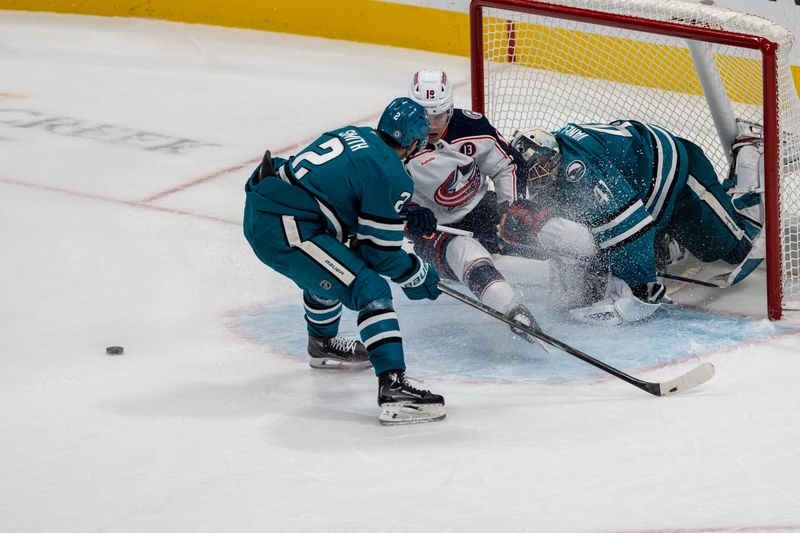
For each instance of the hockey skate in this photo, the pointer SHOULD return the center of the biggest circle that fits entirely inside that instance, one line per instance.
(523, 315)
(337, 353)
(404, 404)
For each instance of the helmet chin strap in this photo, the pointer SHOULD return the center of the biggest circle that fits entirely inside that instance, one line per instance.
(409, 151)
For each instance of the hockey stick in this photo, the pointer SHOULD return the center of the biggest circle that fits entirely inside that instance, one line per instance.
(689, 380)
(665, 275)
(534, 252)
(454, 231)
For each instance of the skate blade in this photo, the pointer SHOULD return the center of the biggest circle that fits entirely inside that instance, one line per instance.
(400, 414)
(323, 363)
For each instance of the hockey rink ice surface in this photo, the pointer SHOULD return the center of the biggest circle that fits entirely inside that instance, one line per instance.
(124, 146)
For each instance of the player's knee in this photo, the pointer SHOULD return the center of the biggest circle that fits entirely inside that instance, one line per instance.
(463, 253)
(368, 287)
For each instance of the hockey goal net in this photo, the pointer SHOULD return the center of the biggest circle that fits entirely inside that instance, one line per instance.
(689, 67)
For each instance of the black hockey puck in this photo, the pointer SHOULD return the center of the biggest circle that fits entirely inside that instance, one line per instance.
(114, 350)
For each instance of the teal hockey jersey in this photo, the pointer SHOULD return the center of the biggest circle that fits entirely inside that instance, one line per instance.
(355, 184)
(621, 180)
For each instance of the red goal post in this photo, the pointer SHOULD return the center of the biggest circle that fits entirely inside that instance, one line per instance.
(538, 63)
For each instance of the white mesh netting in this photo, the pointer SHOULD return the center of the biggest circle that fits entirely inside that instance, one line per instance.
(545, 71)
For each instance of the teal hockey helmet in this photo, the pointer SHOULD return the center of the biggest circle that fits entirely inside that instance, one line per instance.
(405, 121)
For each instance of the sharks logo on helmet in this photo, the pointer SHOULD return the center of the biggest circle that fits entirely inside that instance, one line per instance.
(405, 121)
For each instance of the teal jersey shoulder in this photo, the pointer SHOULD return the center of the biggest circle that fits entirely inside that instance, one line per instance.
(608, 165)
(621, 179)
(353, 174)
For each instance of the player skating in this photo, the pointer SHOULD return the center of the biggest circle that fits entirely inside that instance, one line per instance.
(464, 178)
(349, 184)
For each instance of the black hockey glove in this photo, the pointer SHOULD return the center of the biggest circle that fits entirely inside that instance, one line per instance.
(420, 221)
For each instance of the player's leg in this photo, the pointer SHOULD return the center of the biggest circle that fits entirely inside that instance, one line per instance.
(614, 287)
(704, 219)
(324, 270)
(379, 329)
(745, 184)
(378, 326)
(463, 259)
(482, 221)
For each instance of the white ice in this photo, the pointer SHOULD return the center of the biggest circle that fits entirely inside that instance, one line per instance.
(124, 144)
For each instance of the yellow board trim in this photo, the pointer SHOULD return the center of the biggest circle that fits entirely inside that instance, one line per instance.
(366, 21)
(384, 23)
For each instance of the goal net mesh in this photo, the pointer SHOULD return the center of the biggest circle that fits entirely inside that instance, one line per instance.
(546, 71)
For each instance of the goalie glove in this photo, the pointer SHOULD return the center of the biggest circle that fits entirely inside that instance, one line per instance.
(522, 221)
(421, 281)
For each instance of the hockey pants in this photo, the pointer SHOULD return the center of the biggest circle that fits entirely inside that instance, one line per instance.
(704, 220)
(331, 275)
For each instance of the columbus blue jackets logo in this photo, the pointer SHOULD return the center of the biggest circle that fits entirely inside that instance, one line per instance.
(575, 171)
(471, 114)
(460, 187)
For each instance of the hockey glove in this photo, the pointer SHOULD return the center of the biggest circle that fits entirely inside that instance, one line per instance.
(522, 221)
(420, 221)
(421, 282)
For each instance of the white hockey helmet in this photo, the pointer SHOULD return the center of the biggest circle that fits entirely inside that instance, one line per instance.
(541, 153)
(430, 89)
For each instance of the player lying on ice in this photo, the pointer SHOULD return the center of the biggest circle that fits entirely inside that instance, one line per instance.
(465, 154)
(300, 213)
(632, 187)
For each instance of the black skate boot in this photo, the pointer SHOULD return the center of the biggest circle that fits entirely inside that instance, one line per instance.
(337, 353)
(404, 404)
(523, 315)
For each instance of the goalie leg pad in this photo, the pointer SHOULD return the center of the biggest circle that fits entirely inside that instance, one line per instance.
(619, 306)
(560, 237)
(577, 283)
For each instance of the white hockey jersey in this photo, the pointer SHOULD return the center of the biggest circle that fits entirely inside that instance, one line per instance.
(451, 183)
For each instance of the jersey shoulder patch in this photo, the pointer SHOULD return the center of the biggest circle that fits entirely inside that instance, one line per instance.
(463, 125)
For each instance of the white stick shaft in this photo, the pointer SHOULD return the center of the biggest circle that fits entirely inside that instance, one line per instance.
(454, 231)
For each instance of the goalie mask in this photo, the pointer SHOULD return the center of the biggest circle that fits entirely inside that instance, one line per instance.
(541, 154)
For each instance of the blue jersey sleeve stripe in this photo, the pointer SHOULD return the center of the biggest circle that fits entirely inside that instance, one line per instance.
(389, 241)
(606, 218)
(626, 236)
(366, 240)
(384, 224)
(628, 215)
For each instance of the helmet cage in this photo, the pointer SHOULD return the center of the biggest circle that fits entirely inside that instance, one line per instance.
(539, 150)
